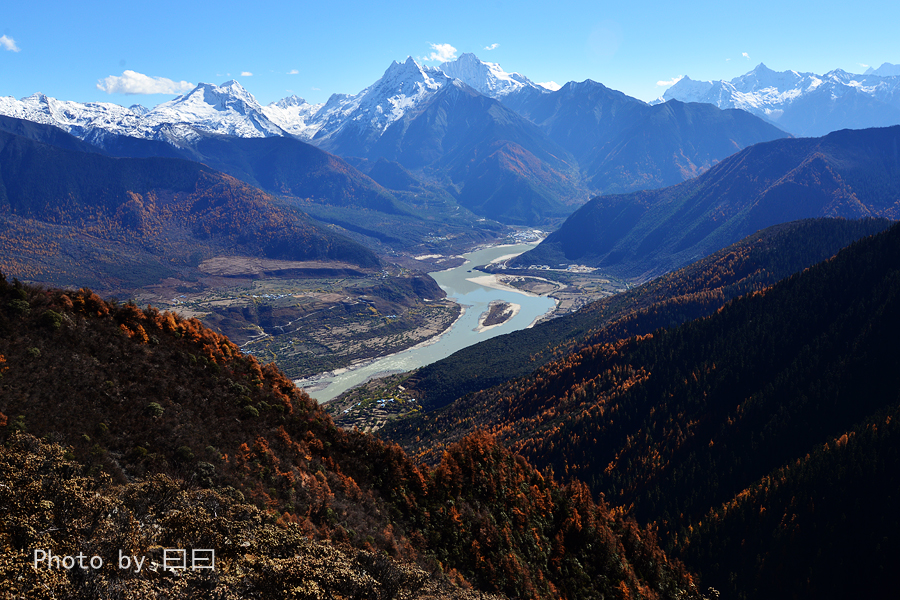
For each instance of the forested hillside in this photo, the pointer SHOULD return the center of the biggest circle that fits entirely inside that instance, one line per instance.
(75, 216)
(754, 263)
(849, 174)
(758, 441)
(166, 432)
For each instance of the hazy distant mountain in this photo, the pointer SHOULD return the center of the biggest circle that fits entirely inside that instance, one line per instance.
(622, 144)
(848, 174)
(804, 104)
(580, 117)
(671, 143)
(885, 70)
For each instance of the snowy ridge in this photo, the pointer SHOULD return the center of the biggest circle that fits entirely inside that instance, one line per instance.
(228, 110)
(487, 78)
(292, 114)
(74, 117)
(768, 94)
(885, 70)
(403, 86)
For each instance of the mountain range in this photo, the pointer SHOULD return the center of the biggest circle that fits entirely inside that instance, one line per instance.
(849, 174)
(494, 141)
(804, 104)
(83, 218)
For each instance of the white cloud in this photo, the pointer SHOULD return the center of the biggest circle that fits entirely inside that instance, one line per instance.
(132, 82)
(9, 44)
(492, 47)
(442, 52)
(550, 85)
(863, 65)
(745, 55)
(672, 81)
(246, 74)
(293, 72)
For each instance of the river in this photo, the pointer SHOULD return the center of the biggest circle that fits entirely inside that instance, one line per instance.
(472, 290)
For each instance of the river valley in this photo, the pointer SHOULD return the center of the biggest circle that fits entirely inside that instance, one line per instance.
(475, 292)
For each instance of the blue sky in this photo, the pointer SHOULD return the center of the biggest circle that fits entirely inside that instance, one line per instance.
(81, 51)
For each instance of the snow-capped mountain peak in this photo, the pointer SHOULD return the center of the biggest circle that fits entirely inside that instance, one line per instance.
(488, 78)
(800, 102)
(227, 109)
(288, 102)
(403, 87)
(292, 115)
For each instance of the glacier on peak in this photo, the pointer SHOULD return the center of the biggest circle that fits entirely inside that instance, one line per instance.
(799, 101)
(488, 78)
(229, 109)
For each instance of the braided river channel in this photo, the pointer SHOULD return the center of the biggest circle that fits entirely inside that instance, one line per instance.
(474, 291)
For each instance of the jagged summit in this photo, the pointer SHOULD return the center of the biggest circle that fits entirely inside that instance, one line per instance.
(403, 86)
(488, 78)
(289, 101)
(802, 103)
(885, 70)
(225, 109)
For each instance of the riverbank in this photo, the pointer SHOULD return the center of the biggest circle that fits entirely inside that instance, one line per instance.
(475, 294)
(320, 381)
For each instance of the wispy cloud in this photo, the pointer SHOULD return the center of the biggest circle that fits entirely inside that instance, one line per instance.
(745, 55)
(442, 52)
(293, 72)
(132, 82)
(246, 74)
(9, 44)
(672, 81)
(492, 47)
(863, 65)
(550, 85)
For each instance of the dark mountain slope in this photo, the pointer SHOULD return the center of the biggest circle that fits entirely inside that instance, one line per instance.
(140, 398)
(76, 216)
(624, 145)
(46, 134)
(670, 143)
(482, 149)
(580, 117)
(678, 424)
(290, 167)
(849, 174)
(819, 112)
(697, 290)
